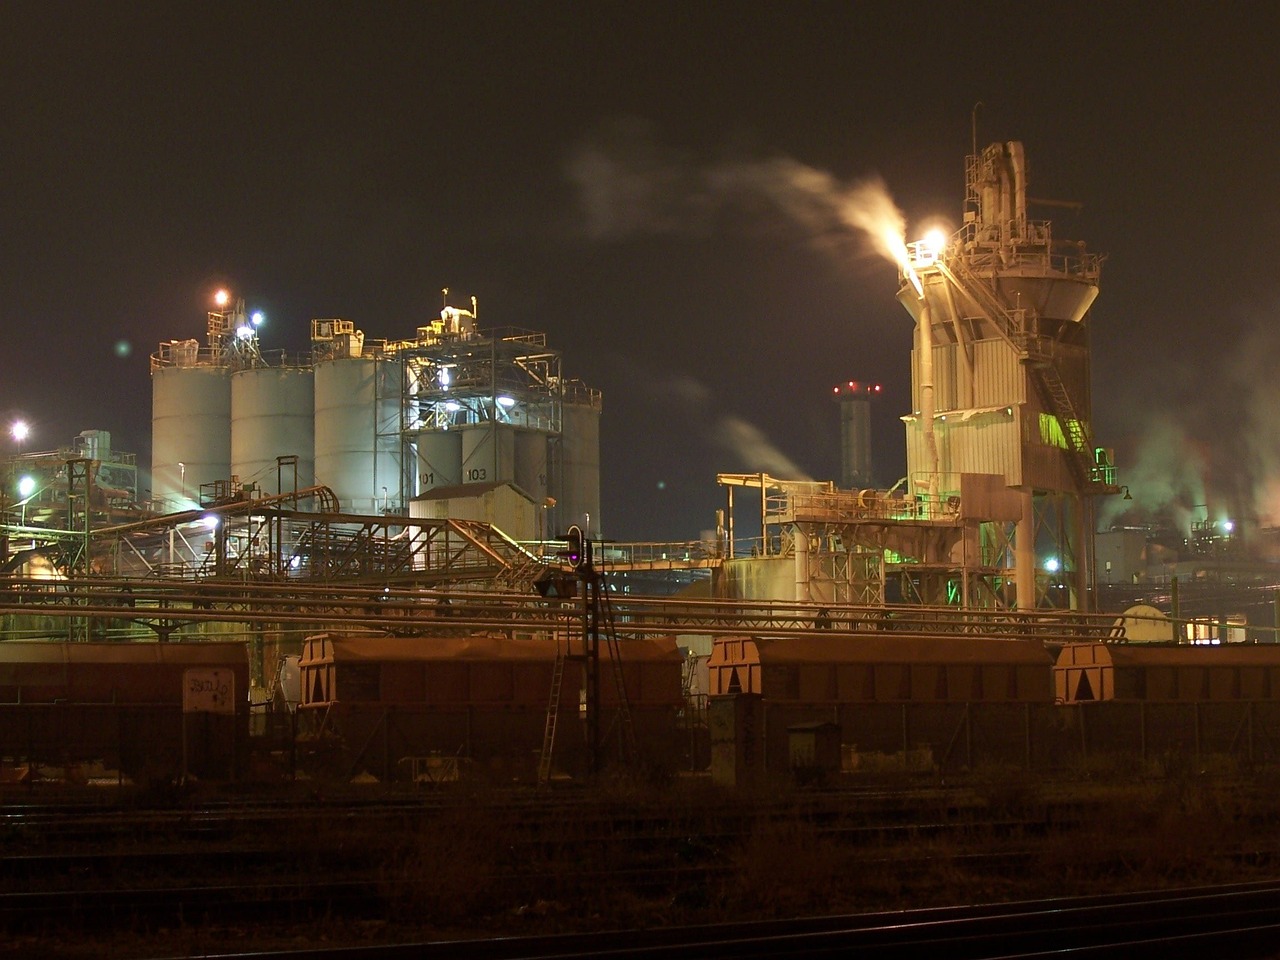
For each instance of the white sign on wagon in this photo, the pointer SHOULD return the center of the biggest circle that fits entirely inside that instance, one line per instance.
(208, 690)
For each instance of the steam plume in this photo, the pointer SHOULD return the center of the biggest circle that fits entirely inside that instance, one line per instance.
(628, 186)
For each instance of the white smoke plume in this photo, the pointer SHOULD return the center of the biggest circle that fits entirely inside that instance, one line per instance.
(746, 443)
(1167, 478)
(628, 185)
(1218, 456)
(754, 451)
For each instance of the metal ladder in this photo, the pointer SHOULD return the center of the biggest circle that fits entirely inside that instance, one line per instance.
(623, 715)
(553, 709)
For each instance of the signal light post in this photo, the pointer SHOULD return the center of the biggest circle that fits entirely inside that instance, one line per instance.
(579, 554)
(587, 582)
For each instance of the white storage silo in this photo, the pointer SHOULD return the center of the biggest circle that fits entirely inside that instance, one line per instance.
(578, 496)
(190, 429)
(531, 464)
(357, 424)
(273, 415)
(488, 453)
(439, 459)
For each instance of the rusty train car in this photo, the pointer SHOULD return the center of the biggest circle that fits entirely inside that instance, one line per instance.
(1173, 703)
(941, 703)
(1089, 672)
(926, 700)
(140, 708)
(378, 703)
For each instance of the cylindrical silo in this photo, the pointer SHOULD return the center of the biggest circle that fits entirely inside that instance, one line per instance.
(273, 415)
(357, 432)
(190, 432)
(439, 459)
(531, 464)
(578, 498)
(488, 453)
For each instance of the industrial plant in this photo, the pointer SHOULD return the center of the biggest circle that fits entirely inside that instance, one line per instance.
(397, 543)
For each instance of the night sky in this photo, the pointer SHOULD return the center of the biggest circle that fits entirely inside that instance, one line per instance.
(585, 169)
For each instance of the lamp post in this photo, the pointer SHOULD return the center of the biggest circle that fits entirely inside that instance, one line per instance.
(182, 471)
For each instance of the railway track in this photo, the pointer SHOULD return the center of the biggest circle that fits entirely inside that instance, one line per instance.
(404, 861)
(1238, 920)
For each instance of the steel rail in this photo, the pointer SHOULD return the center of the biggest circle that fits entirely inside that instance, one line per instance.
(1236, 920)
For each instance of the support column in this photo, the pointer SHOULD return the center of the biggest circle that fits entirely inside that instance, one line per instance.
(1024, 552)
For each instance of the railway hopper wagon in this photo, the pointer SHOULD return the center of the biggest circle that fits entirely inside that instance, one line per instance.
(390, 706)
(1173, 700)
(903, 701)
(145, 709)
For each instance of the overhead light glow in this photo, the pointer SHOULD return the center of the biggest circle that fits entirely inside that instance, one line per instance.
(26, 487)
(443, 377)
(935, 241)
(257, 318)
(1052, 565)
(506, 401)
(1228, 526)
(452, 406)
(210, 521)
(244, 333)
(20, 430)
(222, 298)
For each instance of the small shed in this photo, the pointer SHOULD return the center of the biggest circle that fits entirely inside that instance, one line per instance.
(504, 505)
(814, 747)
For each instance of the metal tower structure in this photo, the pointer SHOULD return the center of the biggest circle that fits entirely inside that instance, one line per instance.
(1000, 375)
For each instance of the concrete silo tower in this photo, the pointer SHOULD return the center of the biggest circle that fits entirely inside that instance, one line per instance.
(855, 398)
(1000, 375)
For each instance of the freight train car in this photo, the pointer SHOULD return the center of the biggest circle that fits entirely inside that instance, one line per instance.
(1158, 702)
(383, 704)
(1086, 672)
(921, 701)
(139, 708)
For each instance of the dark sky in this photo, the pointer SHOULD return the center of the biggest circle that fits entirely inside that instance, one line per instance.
(552, 159)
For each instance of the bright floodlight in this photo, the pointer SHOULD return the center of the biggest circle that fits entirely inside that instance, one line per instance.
(935, 241)
(506, 401)
(210, 521)
(1052, 565)
(26, 487)
(20, 430)
(1228, 526)
(245, 332)
(222, 298)
(257, 318)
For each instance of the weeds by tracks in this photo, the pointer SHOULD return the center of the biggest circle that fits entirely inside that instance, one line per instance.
(471, 860)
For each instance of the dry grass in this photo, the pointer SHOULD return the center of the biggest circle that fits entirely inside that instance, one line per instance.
(485, 866)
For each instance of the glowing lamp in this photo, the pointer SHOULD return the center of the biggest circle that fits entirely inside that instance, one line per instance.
(222, 298)
(935, 242)
(26, 487)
